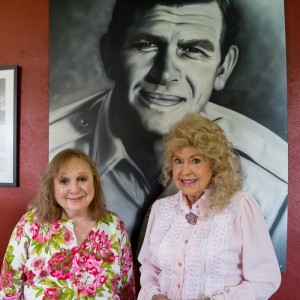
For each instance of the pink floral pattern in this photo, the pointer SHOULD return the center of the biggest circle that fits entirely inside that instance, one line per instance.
(43, 261)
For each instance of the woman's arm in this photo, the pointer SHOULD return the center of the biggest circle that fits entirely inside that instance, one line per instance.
(149, 272)
(126, 282)
(261, 273)
(12, 272)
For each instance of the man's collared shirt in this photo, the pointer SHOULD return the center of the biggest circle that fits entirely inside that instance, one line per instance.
(127, 191)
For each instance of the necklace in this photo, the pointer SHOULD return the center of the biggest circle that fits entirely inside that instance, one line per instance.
(191, 218)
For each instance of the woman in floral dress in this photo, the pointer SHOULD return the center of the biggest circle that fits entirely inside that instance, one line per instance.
(68, 246)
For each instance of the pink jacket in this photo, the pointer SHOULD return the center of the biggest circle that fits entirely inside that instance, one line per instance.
(229, 256)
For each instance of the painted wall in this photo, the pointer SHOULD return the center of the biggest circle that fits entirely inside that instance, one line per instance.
(24, 42)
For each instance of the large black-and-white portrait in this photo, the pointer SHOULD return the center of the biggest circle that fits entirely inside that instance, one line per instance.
(120, 75)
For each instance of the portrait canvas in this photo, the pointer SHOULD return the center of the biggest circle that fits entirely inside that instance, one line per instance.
(91, 106)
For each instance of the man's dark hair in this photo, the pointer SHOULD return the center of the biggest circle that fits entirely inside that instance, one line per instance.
(124, 12)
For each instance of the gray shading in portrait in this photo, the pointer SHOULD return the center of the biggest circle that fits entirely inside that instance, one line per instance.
(114, 94)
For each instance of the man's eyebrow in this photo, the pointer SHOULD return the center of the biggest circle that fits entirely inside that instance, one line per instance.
(146, 37)
(205, 44)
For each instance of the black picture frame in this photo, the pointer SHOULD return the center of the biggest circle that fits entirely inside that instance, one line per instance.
(8, 125)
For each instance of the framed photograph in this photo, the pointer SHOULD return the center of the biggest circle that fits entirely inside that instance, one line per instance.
(8, 125)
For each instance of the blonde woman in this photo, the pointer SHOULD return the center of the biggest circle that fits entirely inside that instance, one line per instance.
(210, 240)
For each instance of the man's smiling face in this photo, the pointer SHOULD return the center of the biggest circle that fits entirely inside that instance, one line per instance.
(168, 63)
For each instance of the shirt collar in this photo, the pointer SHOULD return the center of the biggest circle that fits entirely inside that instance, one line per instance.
(108, 149)
(197, 208)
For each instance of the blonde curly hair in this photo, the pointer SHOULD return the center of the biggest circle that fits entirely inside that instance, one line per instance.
(48, 210)
(211, 142)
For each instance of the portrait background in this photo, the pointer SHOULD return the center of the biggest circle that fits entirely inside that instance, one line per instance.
(257, 88)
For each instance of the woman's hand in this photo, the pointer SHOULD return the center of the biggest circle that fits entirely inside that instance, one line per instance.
(159, 297)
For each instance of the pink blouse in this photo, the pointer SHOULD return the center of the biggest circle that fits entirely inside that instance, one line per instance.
(228, 256)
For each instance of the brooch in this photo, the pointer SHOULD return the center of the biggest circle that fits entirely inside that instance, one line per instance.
(191, 218)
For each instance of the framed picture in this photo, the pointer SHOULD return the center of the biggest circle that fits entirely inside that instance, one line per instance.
(8, 125)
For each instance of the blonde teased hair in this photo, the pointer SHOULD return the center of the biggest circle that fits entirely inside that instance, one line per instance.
(211, 142)
(45, 204)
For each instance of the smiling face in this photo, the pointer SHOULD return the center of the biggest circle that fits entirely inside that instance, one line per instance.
(168, 64)
(192, 173)
(74, 188)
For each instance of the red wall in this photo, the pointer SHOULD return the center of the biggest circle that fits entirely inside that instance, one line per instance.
(24, 41)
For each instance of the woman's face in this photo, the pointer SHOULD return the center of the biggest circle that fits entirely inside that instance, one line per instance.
(192, 172)
(74, 187)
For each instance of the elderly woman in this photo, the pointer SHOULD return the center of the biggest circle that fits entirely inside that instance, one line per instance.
(68, 246)
(210, 240)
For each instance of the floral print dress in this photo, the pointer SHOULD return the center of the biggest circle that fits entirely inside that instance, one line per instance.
(44, 261)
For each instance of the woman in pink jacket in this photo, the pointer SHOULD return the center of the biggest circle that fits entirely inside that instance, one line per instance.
(210, 240)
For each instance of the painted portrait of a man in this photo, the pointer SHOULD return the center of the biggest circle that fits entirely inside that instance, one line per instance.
(151, 62)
